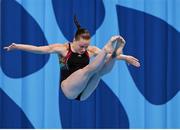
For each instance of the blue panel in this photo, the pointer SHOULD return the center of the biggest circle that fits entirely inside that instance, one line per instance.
(157, 46)
(18, 26)
(90, 14)
(101, 110)
(11, 115)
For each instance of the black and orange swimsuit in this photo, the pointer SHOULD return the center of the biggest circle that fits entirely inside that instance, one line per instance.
(73, 62)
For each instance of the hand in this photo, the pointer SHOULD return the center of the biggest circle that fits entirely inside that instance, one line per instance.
(120, 44)
(118, 38)
(111, 46)
(11, 47)
(132, 60)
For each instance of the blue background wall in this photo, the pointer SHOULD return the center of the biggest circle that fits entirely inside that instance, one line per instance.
(128, 97)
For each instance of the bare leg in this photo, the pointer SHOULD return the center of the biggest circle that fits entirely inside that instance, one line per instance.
(77, 81)
(94, 81)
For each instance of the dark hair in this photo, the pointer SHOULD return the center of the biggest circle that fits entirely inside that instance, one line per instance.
(81, 32)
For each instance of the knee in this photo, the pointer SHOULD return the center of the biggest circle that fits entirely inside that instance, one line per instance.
(67, 93)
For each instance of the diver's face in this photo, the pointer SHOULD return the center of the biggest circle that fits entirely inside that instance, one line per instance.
(82, 45)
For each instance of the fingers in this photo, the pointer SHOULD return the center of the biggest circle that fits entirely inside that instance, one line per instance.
(135, 63)
(135, 59)
(6, 48)
(10, 47)
(132, 57)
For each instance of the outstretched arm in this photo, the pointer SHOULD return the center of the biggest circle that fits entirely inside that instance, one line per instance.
(118, 52)
(54, 48)
(129, 59)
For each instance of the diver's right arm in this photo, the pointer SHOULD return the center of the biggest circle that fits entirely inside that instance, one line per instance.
(53, 48)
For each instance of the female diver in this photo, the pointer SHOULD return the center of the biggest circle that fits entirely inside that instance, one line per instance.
(79, 76)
